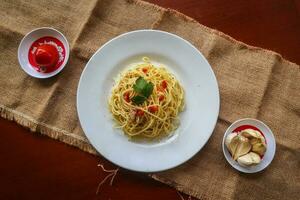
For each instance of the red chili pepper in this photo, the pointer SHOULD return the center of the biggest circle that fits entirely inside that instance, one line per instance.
(126, 96)
(145, 70)
(164, 84)
(153, 108)
(159, 88)
(139, 113)
(161, 97)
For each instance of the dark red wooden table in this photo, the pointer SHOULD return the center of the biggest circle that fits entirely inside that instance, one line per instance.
(36, 167)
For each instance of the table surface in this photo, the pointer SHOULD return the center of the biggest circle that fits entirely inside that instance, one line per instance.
(36, 167)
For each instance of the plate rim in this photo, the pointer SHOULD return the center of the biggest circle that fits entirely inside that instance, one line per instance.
(190, 45)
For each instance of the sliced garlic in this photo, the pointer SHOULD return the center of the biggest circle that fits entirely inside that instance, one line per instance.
(257, 141)
(254, 141)
(242, 148)
(253, 135)
(229, 138)
(259, 148)
(231, 142)
(245, 160)
(249, 159)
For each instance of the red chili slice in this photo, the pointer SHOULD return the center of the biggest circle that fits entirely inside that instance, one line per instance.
(153, 108)
(164, 84)
(139, 113)
(145, 70)
(161, 97)
(126, 96)
(159, 88)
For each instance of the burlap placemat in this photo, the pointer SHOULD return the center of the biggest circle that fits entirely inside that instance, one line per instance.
(253, 83)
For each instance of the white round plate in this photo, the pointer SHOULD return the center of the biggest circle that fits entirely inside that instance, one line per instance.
(26, 43)
(191, 69)
(270, 140)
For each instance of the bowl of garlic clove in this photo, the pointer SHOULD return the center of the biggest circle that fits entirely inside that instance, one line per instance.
(249, 145)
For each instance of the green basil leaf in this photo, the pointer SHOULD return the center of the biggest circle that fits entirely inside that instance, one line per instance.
(147, 90)
(138, 99)
(139, 85)
(143, 89)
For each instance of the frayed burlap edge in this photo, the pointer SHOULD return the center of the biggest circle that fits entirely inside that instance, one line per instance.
(178, 187)
(51, 131)
(82, 143)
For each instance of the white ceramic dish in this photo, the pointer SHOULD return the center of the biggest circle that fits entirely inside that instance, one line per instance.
(187, 64)
(270, 140)
(27, 41)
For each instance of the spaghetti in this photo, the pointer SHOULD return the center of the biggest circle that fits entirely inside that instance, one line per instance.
(146, 101)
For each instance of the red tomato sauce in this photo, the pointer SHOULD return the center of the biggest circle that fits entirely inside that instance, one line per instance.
(47, 40)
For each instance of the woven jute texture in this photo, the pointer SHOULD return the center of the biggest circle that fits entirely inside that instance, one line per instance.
(253, 83)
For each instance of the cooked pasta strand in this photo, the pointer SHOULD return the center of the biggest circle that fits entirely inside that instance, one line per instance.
(158, 115)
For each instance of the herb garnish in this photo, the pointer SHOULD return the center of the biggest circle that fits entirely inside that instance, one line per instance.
(144, 90)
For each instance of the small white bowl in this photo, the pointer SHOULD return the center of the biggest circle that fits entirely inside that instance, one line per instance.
(26, 43)
(270, 140)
